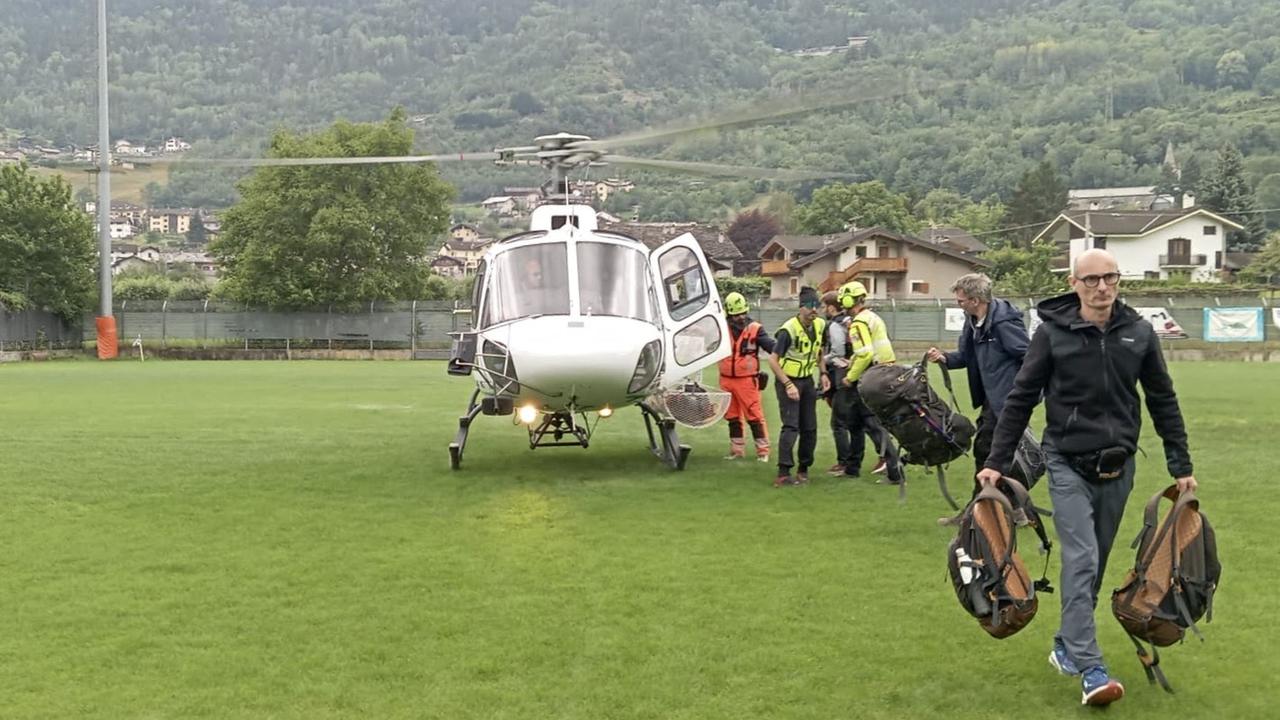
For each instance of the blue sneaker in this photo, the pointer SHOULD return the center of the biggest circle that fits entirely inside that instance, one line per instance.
(1098, 688)
(1061, 661)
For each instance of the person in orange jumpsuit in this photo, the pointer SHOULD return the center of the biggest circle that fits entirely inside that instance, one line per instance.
(740, 376)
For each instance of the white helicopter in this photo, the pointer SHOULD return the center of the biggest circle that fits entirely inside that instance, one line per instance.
(570, 323)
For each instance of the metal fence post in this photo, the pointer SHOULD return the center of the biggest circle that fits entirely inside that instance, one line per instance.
(893, 317)
(164, 324)
(942, 319)
(204, 341)
(328, 325)
(371, 326)
(413, 331)
(120, 327)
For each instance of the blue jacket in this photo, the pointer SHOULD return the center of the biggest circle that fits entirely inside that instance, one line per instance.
(992, 353)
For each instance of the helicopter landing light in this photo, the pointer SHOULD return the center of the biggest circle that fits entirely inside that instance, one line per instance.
(606, 411)
(527, 414)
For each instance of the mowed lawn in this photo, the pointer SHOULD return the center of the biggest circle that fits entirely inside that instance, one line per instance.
(286, 540)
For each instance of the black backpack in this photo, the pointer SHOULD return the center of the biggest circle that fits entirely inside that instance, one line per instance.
(1173, 580)
(927, 429)
(987, 573)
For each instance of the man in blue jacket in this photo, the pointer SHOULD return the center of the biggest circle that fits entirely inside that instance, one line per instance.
(992, 345)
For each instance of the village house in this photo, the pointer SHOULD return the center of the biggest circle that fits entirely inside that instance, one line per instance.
(176, 222)
(524, 198)
(467, 252)
(890, 264)
(1151, 245)
(463, 231)
(449, 267)
(499, 205)
(716, 246)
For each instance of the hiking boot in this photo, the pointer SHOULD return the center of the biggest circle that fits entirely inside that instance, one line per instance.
(836, 470)
(731, 456)
(784, 480)
(1061, 661)
(802, 478)
(1097, 687)
(880, 468)
(763, 459)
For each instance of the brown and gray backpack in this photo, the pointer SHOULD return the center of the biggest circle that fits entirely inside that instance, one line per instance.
(1173, 580)
(986, 571)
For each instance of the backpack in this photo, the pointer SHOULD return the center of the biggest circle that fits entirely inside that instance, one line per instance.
(927, 429)
(1173, 579)
(986, 570)
(1029, 461)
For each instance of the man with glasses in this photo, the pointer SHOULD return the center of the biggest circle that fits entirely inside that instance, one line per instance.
(1088, 357)
(992, 345)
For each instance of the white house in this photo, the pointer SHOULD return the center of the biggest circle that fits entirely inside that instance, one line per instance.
(122, 229)
(500, 205)
(1151, 245)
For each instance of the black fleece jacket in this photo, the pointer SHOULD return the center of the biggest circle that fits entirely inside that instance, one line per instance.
(1089, 378)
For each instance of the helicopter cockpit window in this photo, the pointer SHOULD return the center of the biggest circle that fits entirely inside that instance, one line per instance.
(685, 288)
(613, 280)
(525, 281)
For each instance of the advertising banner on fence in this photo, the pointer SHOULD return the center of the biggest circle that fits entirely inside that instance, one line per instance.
(1233, 324)
(1275, 317)
(955, 319)
(1166, 327)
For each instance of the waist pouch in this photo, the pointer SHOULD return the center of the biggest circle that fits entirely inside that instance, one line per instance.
(1101, 465)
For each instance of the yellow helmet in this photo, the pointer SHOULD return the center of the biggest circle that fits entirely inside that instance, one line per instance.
(735, 304)
(850, 293)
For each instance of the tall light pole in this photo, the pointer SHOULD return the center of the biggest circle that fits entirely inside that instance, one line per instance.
(106, 322)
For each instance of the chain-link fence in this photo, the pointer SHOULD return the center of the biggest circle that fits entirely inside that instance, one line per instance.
(425, 325)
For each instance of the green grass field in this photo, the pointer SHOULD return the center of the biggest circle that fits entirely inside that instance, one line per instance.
(285, 540)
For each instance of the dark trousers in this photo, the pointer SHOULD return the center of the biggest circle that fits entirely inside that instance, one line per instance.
(846, 427)
(982, 437)
(799, 420)
(879, 437)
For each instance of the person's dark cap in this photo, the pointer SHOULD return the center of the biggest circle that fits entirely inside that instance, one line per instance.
(809, 298)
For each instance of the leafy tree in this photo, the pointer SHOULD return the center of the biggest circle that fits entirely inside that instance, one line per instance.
(1039, 197)
(1233, 70)
(751, 231)
(947, 207)
(836, 207)
(196, 234)
(339, 235)
(751, 286)
(1226, 191)
(47, 250)
(1265, 268)
(1268, 82)
(1026, 271)
(1268, 196)
(524, 103)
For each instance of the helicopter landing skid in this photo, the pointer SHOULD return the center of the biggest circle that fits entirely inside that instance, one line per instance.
(557, 426)
(464, 428)
(672, 452)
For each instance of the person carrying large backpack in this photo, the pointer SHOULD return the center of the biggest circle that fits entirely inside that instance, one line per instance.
(740, 377)
(1088, 358)
(871, 346)
(992, 345)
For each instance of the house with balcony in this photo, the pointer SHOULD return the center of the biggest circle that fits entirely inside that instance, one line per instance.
(890, 264)
(1147, 244)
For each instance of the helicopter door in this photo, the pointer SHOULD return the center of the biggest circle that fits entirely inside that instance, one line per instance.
(694, 331)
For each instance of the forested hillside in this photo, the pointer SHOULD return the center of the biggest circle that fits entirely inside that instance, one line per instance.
(1097, 87)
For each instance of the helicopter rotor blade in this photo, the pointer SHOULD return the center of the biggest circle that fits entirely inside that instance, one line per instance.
(779, 109)
(745, 171)
(296, 162)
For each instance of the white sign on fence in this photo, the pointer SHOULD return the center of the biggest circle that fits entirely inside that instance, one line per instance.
(1275, 317)
(1165, 326)
(955, 320)
(1233, 324)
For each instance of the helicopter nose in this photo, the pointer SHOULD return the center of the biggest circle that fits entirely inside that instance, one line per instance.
(586, 363)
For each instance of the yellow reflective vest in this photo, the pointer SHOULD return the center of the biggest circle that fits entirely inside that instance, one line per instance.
(804, 351)
(871, 345)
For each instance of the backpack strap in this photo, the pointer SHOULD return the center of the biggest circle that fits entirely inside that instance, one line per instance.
(946, 379)
(1151, 664)
(942, 484)
(1033, 519)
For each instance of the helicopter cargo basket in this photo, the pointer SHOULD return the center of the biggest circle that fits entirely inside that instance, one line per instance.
(695, 406)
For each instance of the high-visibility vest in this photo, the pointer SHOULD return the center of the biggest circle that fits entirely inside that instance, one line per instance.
(871, 346)
(804, 351)
(743, 362)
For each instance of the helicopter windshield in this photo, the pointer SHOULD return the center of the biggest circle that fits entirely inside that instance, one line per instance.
(530, 280)
(613, 280)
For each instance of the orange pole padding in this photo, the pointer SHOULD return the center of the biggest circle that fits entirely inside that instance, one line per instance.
(108, 343)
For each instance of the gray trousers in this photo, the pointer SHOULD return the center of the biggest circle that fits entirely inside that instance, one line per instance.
(1086, 516)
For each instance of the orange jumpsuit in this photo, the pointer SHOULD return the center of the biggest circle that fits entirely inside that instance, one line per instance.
(738, 378)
